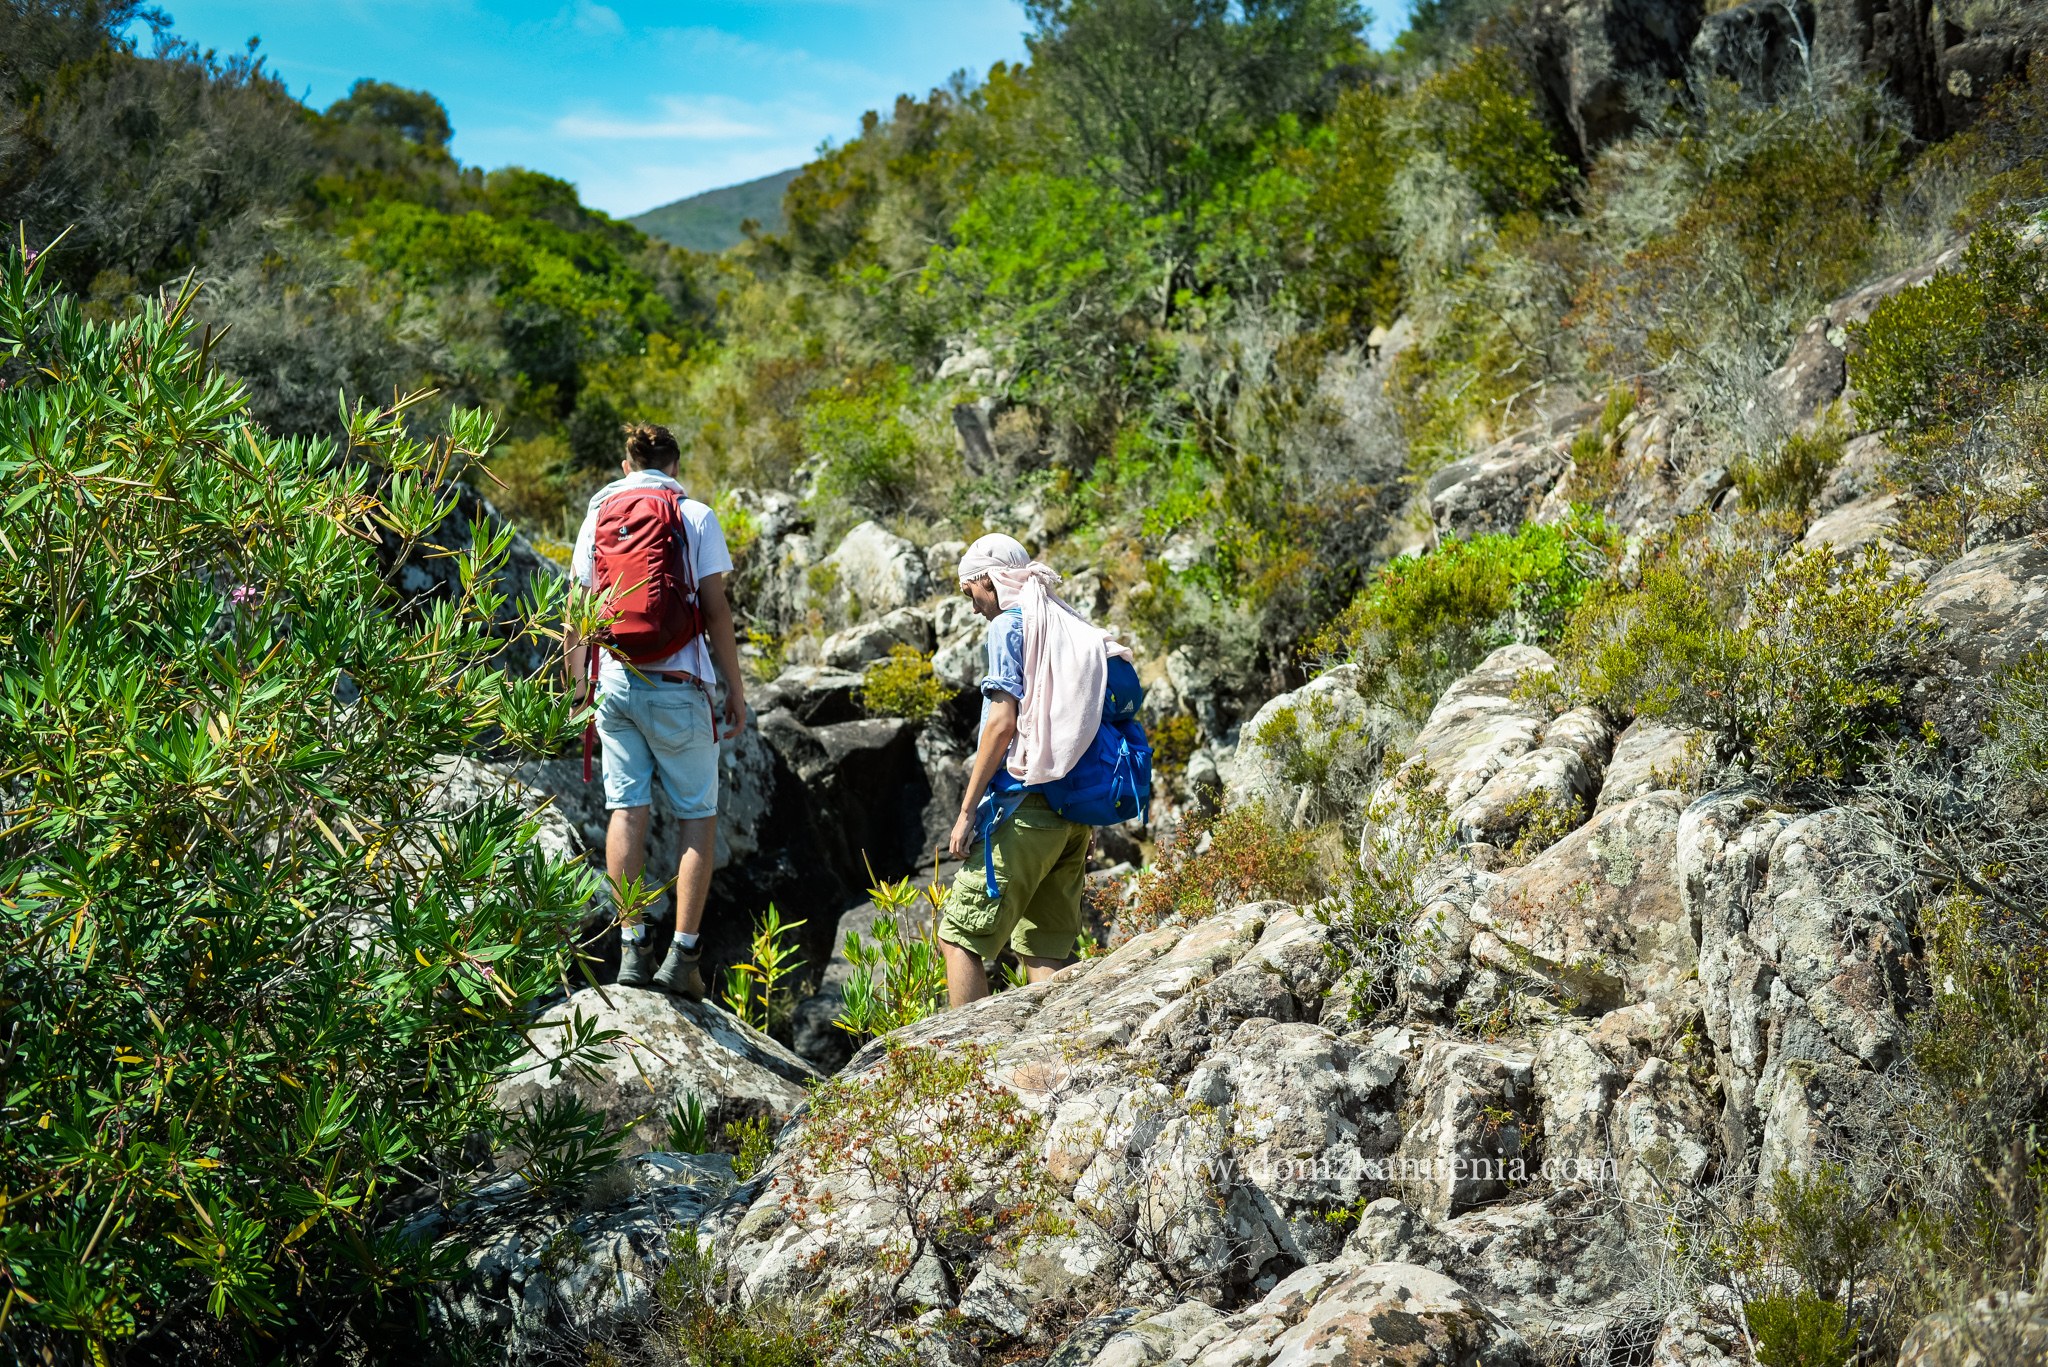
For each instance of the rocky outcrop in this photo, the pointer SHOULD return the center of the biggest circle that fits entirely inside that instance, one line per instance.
(1480, 725)
(541, 1277)
(661, 1050)
(815, 695)
(1859, 522)
(1803, 936)
(876, 570)
(868, 641)
(1204, 1109)
(1339, 1313)
(2001, 1328)
(1992, 604)
(1647, 757)
(1588, 57)
(1328, 715)
(1596, 917)
(1495, 491)
(862, 791)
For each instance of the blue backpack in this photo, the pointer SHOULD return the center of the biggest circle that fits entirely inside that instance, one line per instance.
(1111, 783)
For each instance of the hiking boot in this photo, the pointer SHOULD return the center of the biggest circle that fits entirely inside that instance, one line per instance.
(679, 975)
(636, 962)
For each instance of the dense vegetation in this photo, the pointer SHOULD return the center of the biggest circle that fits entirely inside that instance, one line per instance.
(1216, 289)
(343, 252)
(258, 990)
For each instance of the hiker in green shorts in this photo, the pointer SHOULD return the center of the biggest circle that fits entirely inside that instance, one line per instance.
(1039, 859)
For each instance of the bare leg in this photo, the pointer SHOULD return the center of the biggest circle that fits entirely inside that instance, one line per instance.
(625, 844)
(966, 975)
(693, 875)
(1038, 970)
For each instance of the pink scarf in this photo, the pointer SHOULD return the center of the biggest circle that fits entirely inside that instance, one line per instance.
(1066, 660)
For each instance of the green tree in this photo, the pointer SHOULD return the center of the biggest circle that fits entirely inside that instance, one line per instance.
(1167, 97)
(258, 992)
(413, 114)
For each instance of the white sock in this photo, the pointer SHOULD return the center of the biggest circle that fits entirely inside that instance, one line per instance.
(686, 943)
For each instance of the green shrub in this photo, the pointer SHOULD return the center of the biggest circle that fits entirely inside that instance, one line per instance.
(2018, 725)
(1975, 481)
(1539, 818)
(899, 975)
(1800, 1330)
(867, 453)
(902, 686)
(261, 988)
(1326, 756)
(1247, 858)
(1789, 474)
(949, 1152)
(691, 1323)
(1481, 116)
(1980, 1045)
(1798, 665)
(1064, 274)
(1426, 619)
(1948, 349)
(1729, 223)
(753, 1141)
(1596, 452)
(1830, 1237)
(1173, 744)
(1371, 917)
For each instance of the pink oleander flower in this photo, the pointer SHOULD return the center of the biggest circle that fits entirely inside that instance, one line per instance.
(242, 595)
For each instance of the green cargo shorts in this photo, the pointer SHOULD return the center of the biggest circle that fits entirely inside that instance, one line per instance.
(1041, 866)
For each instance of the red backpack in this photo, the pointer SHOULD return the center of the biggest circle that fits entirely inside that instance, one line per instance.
(642, 555)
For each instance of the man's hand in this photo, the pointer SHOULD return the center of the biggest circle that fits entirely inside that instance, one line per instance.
(963, 835)
(735, 713)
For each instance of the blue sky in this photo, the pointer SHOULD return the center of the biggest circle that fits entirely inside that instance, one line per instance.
(637, 102)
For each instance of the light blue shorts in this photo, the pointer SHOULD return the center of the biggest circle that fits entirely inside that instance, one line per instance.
(649, 728)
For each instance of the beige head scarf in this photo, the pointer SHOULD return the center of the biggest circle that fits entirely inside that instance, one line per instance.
(1066, 660)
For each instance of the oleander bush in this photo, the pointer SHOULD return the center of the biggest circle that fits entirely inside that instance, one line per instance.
(258, 991)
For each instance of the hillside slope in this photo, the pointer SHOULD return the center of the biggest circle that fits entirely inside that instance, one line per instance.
(710, 222)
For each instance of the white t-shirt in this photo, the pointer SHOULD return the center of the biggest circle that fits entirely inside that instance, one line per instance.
(708, 556)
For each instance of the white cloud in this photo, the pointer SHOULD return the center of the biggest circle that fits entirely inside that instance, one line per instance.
(597, 21)
(681, 121)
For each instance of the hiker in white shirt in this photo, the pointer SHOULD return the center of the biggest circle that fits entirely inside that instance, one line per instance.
(655, 724)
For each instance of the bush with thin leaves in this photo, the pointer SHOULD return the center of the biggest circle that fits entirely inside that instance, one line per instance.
(258, 991)
(944, 1147)
(1426, 619)
(1798, 665)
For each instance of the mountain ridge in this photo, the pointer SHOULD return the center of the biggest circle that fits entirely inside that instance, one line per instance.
(710, 221)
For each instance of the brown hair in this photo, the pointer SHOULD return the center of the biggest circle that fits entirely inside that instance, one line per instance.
(650, 447)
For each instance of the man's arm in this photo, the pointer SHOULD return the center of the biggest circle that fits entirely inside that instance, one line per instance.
(996, 735)
(575, 660)
(725, 650)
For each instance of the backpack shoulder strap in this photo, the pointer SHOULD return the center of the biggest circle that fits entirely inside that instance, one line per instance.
(689, 561)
